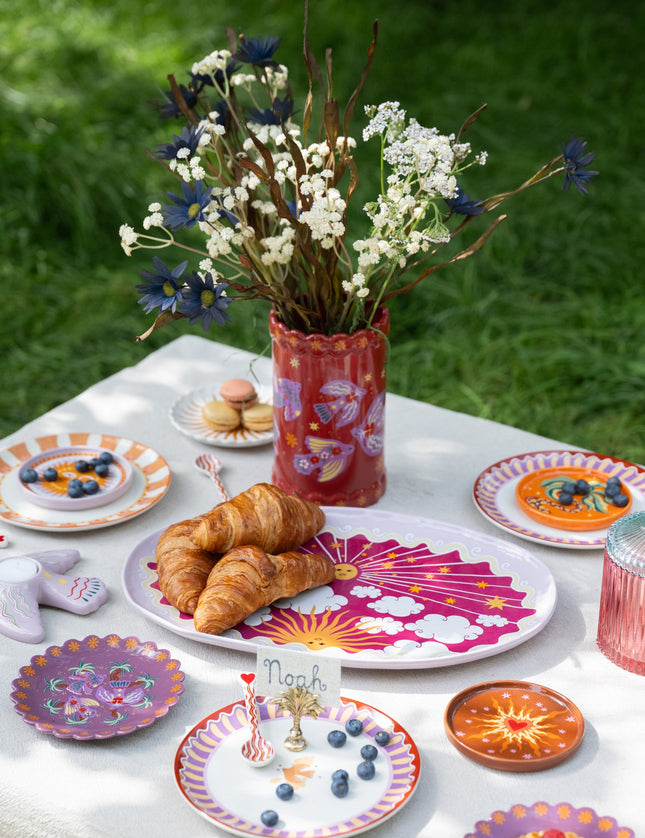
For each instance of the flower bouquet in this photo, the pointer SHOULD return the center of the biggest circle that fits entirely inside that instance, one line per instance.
(262, 208)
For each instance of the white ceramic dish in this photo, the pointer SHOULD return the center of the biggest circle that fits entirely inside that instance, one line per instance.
(220, 784)
(494, 494)
(150, 481)
(409, 593)
(186, 415)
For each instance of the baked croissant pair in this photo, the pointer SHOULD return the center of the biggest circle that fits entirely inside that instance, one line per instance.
(225, 564)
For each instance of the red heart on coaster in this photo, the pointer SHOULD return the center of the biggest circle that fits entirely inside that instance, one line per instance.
(515, 724)
(247, 677)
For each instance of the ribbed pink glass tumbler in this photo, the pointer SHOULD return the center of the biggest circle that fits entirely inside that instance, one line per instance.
(621, 622)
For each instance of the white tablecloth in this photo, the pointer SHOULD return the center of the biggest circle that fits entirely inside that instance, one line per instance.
(125, 786)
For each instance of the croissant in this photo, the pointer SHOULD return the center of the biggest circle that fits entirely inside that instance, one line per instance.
(264, 515)
(182, 568)
(247, 578)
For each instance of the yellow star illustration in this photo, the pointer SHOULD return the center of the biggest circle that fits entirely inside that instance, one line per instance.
(313, 426)
(444, 569)
(482, 584)
(495, 602)
(294, 362)
(450, 600)
(414, 589)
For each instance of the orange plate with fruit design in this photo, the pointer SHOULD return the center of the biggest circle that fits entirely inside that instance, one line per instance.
(538, 494)
(514, 725)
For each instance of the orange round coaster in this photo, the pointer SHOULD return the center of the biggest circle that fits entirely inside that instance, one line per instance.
(538, 493)
(514, 725)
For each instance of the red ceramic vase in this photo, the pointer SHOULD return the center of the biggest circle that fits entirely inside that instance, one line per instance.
(329, 413)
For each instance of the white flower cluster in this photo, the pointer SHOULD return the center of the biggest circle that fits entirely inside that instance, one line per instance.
(278, 250)
(156, 217)
(191, 170)
(356, 286)
(212, 63)
(325, 215)
(129, 237)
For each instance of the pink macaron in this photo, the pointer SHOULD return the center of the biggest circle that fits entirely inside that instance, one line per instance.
(238, 393)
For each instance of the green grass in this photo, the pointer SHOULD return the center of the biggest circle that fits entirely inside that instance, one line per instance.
(542, 329)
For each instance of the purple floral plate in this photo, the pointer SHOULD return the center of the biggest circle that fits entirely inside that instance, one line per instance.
(97, 687)
(522, 820)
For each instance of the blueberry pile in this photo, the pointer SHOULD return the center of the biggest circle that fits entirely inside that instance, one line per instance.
(365, 770)
(76, 487)
(613, 492)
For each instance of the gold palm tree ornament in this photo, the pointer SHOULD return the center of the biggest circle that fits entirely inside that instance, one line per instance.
(298, 702)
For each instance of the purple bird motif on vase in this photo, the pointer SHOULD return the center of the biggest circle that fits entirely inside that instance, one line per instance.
(345, 406)
(287, 395)
(328, 455)
(370, 433)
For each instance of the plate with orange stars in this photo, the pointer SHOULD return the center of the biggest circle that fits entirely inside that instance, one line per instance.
(514, 725)
(532, 821)
(97, 687)
(409, 592)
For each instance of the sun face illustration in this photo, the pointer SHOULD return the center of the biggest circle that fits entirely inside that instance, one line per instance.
(317, 631)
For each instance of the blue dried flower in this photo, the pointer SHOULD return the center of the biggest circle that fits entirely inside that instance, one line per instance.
(258, 51)
(279, 112)
(576, 161)
(162, 289)
(462, 204)
(205, 301)
(189, 207)
(189, 139)
(171, 109)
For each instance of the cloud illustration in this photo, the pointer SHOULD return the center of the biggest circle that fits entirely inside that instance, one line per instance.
(362, 591)
(491, 620)
(256, 617)
(320, 599)
(453, 629)
(399, 606)
(374, 625)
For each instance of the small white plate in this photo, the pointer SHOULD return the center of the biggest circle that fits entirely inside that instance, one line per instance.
(150, 481)
(494, 494)
(186, 416)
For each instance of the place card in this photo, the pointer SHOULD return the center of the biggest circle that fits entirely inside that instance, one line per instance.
(279, 669)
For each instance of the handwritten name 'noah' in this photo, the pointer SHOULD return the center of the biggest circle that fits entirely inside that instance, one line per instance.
(310, 682)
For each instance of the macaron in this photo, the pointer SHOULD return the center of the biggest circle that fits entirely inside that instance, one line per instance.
(238, 393)
(258, 418)
(221, 416)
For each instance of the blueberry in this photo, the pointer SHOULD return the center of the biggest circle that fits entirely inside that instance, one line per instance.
(582, 487)
(354, 727)
(620, 500)
(74, 491)
(90, 487)
(339, 788)
(336, 738)
(50, 474)
(106, 457)
(565, 498)
(81, 466)
(369, 752)
(284, 791)
(569, 487)
(101, 469)
(366, 770)
(340, 774)
(94, 462)
(382, 737)
(269, 817)
(613, 487)
(29, 475)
